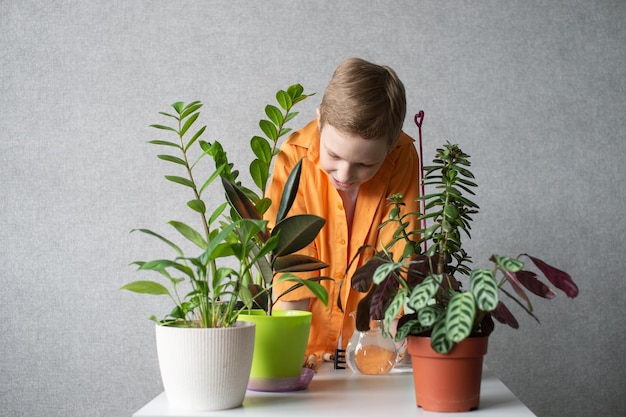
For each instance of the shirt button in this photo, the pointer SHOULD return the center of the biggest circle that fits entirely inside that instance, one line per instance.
(342, 241)
(339, 207)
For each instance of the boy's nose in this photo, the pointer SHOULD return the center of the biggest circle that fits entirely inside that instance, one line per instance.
(344, 173)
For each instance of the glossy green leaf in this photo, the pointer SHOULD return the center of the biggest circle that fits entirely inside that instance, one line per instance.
(221, 250)
(190, 121)
(283, 131)
(297, 263)
(168, 115)
(284, 99)
(263, 205)
(290, 191)
(269, 129)
(188, 232)
(432, 249)
(259, 173)
(173, 159)
(460, 316)
(265, 269)
(296, 232)
(179, 106)
(217, 240)
(162, 127)
(485, 289)
(261, 149)
(295, 91)
(311, 284)
(195, 138)
(163, 239)
(190, 108)
(215, 174)
(180, 180)
(274, 114)
(217, 212)
(165, 143)
(161, 264)
(291, 115)
(197, 205)
(451, 211)
(146, 287)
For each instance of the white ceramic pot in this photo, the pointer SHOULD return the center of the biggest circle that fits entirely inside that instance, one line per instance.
(205, 369)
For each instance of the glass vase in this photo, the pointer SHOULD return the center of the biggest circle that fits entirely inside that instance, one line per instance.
(370, 352)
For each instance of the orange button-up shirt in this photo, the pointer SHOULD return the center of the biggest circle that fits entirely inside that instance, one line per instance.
(335, 245)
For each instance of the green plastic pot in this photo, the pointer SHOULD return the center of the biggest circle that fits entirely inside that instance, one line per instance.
(280, 344)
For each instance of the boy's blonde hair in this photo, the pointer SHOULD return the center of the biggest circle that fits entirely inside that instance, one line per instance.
(364, 99)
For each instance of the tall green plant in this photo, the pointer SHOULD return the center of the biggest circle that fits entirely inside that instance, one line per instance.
(212, 291)
(423, 278)
(210, 300)
(290, 233)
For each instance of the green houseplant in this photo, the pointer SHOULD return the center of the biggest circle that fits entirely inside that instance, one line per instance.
(440, 299)
(281, 335)
(215, 290)
(207, 293)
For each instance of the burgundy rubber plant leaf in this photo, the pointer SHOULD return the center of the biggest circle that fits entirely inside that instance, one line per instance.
(504, 315)
(558, 278)
(529, 280)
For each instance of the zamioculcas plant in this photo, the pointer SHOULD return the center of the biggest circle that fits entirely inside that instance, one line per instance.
(206, 292)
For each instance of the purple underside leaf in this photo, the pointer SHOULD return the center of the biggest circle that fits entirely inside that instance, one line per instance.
(529, 280)
(384, 292)
(487, 325)
(418, 271)
(558, 278)
(362, 278)
(362, 318)
(512, 278)
(504, 315)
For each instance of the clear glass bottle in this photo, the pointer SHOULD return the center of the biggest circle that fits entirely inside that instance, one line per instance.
(370, 352)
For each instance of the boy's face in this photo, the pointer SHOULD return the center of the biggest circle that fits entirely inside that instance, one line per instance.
(348, 159)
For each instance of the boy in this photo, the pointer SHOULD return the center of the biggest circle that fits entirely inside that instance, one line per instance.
(355, 156)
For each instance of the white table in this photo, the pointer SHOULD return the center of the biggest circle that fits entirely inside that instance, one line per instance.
(345, 394)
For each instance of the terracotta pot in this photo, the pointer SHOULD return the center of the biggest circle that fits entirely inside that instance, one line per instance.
(448, 382)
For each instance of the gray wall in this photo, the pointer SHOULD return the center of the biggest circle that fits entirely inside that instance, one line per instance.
(535, 91)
